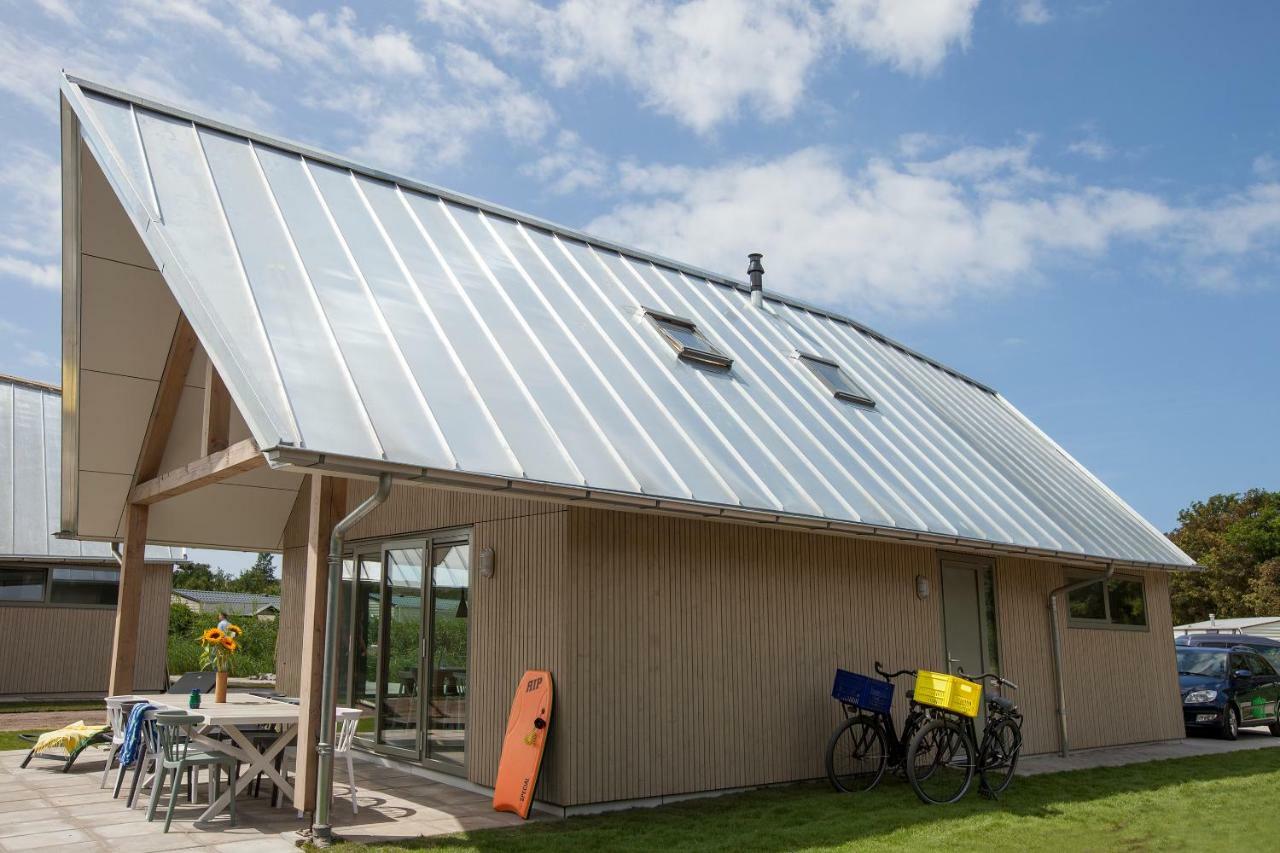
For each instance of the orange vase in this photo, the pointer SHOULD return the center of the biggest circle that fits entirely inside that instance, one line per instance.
(220, 688)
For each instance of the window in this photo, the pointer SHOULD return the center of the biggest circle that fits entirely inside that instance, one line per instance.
(84, 586)
(22, 584)
(834, 379)
(1121, 604)
(75, 586)
(686, 340)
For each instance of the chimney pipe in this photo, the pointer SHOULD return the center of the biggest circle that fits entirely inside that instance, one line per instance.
(755, 271)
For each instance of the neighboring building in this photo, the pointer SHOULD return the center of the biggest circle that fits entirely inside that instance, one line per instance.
(58, 596)
(690, 508)
(1259, 626)
(231, 603)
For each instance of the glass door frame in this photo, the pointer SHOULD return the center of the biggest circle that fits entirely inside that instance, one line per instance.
(371, 548)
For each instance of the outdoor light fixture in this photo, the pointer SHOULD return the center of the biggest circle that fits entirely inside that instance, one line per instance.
(484, 562)
(922, 587)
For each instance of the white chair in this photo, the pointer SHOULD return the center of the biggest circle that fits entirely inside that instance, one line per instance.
(116, 719)
(348, 720)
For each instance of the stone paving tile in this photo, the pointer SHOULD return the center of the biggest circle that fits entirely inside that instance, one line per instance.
(57, 840)
(35, 825)
(261, 845)
(23, 812)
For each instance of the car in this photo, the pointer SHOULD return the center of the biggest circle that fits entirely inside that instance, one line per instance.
(1268, 647)
(1225, 689)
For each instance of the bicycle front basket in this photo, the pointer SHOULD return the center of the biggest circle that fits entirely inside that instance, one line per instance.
(948, 692)
(869, 694)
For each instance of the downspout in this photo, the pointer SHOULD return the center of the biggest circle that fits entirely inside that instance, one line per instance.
(321, 831)
(1066, 589)
(115, 552)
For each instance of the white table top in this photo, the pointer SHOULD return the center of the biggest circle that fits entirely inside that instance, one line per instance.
(240, 709)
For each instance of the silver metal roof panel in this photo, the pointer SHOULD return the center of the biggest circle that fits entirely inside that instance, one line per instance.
(364, 317)
(30, 474)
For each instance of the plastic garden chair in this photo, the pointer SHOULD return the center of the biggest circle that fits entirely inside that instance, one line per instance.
(177, 757)
(118, 708)
(348, 719)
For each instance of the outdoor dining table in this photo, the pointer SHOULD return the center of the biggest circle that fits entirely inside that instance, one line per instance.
(239, 711)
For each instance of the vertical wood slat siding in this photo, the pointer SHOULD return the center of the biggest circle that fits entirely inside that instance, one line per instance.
(68, 649)
(516, 616)
(703, 653)
(1121, 686)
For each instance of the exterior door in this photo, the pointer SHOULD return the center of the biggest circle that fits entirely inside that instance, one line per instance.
(968, 617)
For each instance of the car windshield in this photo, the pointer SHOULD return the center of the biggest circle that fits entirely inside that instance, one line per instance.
(1210, 662)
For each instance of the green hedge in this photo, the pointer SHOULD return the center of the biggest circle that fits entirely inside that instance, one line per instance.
(257, 653)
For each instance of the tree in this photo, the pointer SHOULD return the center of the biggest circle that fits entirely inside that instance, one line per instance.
(260, 578)
(1237, 539)
(200, 576)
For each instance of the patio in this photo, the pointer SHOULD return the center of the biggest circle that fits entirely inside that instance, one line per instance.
(43, 809)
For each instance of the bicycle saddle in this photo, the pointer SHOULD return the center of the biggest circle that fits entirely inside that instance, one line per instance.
(1002, 704)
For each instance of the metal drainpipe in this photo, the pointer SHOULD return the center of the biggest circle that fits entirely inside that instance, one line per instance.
(1066, 589)
(321, 831)
(115, 552)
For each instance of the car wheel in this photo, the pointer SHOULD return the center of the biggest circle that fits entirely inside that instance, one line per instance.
(1230, 723)
(1274, 728)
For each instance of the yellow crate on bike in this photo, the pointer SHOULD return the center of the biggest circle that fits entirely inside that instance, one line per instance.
(948, 692)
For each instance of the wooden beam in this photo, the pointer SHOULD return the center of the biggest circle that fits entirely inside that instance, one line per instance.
(328, 506)
(178, 363)
(236, 459)
(124, 643)
(217, 412)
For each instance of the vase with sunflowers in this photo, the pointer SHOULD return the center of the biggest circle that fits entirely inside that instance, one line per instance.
(218, 653)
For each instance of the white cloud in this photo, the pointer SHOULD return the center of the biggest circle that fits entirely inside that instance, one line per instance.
(48, 276)
(893, 237)
(30, 220)
(1034, 12)
(706, 62)
(58, 9)
(1265, 166)
(911, 35)
(571, 166)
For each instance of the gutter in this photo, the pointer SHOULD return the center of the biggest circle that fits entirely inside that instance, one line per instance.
(321, 829)
(1056, 628)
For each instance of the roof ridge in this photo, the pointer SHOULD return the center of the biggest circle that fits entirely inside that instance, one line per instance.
(319, 154)
(30, 383)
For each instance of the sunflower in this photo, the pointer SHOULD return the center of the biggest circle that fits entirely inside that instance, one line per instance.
(213, 635)
(228, 643)
(235, 629)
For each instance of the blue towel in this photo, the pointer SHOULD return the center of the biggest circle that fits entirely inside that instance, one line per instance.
(132, 746)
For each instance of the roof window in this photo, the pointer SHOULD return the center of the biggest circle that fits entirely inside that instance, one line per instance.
(684, 337)
(834, 379)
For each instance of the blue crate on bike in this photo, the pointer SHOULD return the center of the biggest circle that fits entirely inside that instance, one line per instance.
(869, 694)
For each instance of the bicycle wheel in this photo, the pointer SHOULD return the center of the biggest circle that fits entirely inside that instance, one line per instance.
(998, 756)
(940, 761)
(856, 755)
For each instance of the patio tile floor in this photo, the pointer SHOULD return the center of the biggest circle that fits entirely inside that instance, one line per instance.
(42, 808)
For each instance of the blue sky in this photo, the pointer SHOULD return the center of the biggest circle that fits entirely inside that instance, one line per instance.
(1077, 203)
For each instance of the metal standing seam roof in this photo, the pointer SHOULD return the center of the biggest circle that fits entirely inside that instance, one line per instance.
(356, 316)
(30, 466)
(254, 601)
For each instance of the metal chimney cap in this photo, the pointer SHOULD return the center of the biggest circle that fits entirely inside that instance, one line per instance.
(754, 264)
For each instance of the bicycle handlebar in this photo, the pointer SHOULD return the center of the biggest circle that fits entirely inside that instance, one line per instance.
(887, 675)
(990, 675)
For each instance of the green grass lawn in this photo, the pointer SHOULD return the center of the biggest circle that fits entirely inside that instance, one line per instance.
(1216, 802)
(10, 740)
(37, 707)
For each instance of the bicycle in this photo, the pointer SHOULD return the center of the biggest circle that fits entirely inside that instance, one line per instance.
(867, 742)
(940, 760)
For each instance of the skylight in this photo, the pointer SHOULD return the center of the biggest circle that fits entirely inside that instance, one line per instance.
(686, 340)
(834, 379)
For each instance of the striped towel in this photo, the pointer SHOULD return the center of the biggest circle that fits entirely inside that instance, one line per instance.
(132, 746)
(67, 737)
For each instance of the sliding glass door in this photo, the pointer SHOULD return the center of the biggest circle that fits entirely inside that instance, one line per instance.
(404, 646)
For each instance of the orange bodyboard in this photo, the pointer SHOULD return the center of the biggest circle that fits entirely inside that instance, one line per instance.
(522, 748)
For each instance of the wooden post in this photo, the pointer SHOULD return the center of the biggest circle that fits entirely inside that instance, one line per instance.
(124, 645)
(328, 506)
(217, 413)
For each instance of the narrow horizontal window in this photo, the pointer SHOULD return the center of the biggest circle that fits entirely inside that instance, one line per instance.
(22, 584)
(84, 586)
(684, 337)
(834, 379)
(1119, 602)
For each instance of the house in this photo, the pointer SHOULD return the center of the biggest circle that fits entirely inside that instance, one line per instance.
(688, 497)
(1258, 626)
(230, 603)
(58, 596)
